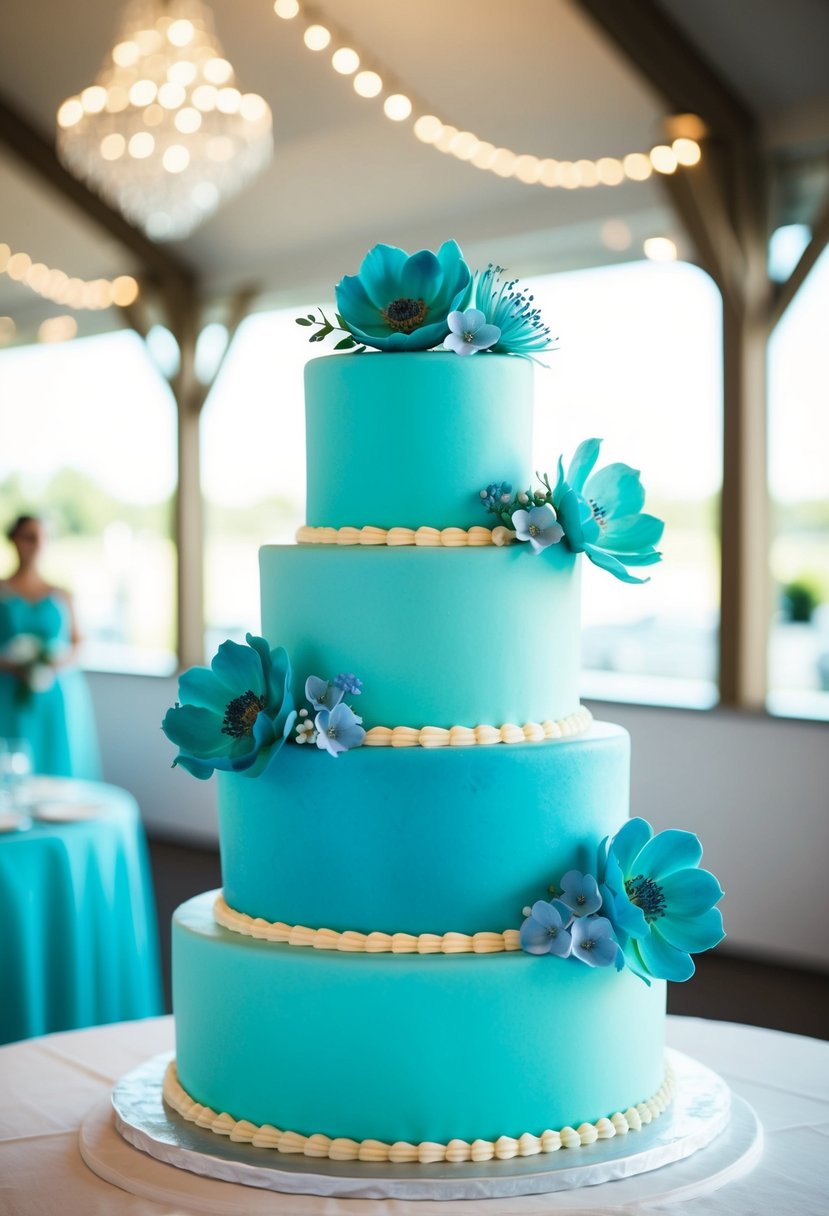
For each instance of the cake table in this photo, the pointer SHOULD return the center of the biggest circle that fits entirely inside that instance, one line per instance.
(49, 1086)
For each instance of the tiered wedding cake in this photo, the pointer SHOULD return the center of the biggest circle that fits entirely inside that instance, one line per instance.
(368, 983)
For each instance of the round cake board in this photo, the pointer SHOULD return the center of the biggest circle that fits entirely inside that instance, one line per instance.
(706, 1139)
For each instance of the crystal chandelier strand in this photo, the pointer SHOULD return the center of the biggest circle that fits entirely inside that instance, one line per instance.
(164, 134)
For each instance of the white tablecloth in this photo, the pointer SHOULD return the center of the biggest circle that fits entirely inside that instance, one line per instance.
(47, 1085)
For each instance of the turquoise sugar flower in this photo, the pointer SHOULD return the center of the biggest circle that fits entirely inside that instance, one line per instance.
(338, 729)
(469, 332)
(602, 515)
(234, 715)
(510, 308)
(545, 930)
(398, 302)
(661, 905)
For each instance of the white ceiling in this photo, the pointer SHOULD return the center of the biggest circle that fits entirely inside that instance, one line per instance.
(533, 75)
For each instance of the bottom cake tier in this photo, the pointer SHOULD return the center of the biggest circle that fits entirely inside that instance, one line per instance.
(407, 1048)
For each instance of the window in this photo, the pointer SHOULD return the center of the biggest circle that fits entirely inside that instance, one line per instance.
(253, 465)
(798, 367)
(89, 442)
(639, 365)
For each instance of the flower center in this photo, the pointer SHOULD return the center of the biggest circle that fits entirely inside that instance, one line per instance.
(588, 943)
(581, 899)
(405, 314)
(534, 530)
(647, 895)
(599, 512)
(241, 713)
(552, 931)
(468, 335)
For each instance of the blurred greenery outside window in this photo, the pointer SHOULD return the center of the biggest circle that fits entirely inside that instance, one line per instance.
(798, 377)
(89, 443)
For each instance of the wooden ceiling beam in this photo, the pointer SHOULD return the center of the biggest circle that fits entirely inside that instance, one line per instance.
(157, 263)
(671, 63)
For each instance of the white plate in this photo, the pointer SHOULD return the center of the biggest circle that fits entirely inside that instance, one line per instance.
(66, 812)
(10, 821)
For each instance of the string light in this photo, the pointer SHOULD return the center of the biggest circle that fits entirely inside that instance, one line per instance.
(57, 286)
(524, 167)
(660, 249)
(57, 329)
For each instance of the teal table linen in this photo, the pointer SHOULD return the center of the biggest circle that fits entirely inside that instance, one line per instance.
(78, 936)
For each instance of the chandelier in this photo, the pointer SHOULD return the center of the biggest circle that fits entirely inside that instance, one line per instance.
(164, 134)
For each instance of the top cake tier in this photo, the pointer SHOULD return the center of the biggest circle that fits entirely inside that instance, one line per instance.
(408, 440)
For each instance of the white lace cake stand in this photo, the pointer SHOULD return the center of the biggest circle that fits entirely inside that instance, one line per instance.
(704, 1116)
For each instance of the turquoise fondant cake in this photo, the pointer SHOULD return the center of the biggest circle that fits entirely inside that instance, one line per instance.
(452, 943)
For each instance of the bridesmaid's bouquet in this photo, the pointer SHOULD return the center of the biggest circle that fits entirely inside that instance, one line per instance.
(35, 659)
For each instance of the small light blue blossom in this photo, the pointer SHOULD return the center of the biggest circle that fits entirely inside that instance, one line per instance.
(539, 526)
(580, 893)
(323, 694)
(510, 309)
(545, 931)
(338, 729)
(349, 683)
(470, 332)
(593, 942)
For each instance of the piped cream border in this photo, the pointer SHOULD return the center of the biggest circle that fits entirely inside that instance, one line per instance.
(241, 1131)
(483, 736)
(428, 538)
(351, 942)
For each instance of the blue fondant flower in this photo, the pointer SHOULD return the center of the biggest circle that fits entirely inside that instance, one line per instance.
(545, 930)
(495, 494)
(602, 515)
(580, 893)
(349, 683)
(594, 943)
(469, 332)
(338, 729)
(323, 694)
(659, 902)
(398, 302)
(539, 526)
(510, 309)
(234, 715)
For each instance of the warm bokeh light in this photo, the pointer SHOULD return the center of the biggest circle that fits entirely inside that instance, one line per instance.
(527, 169)
(637, 166)
(428, 128)
(503, 162)
(316, 37)
(188, 120)
(287, 9)
(143, 92)
(367, 84)
(549, 173)
(217, 71)
(176, 158)
(113, 146)
(7, 330)
(660, 249)
(446, 135)
(483, 155)
(616, 235)
(588, 174)
(125, 54)
(397, 107)
(181, 32)
(345, 61)
(70, 112)
(58, 329)
(124, 290)
(464, 145)
(610, 170)
(686, 151)
(141, 145)
(253, 108)
(663, 159)
(17, 266)
(93, 99)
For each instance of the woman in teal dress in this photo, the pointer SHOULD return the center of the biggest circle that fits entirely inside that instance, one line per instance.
(43, 696)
